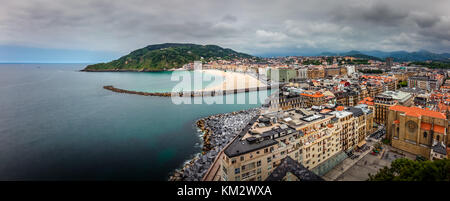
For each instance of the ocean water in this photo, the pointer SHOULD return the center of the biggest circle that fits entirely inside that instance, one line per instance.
(57, 123)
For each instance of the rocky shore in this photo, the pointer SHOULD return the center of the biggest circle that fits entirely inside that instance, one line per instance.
(218, 131)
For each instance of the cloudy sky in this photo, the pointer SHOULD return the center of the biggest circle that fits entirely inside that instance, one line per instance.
(104, 29)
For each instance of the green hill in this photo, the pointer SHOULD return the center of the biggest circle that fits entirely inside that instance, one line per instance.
(166, 56)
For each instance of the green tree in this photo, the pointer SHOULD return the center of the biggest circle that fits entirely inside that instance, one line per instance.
(409, 170)
(434, 64)
(402, 83)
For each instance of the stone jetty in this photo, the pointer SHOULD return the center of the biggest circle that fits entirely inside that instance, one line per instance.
(112, 88)
(189, 93)
(218, 130)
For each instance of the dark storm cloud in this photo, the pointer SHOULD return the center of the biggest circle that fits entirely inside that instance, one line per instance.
(425, 20)
(229, 18)
(257, 27)
(378, 13)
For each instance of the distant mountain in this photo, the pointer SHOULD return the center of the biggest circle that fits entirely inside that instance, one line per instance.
(399, 56)
(352, 53)
(418, 56)
(166, 56)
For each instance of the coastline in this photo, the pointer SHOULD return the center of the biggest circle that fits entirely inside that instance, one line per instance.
(232, 80)
(232, 83)
(122, 70)
(217, 131)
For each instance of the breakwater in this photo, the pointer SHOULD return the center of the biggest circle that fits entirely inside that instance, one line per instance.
(217, 131)
(191, 93)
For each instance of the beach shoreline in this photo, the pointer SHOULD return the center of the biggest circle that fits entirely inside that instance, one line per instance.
(232, 80)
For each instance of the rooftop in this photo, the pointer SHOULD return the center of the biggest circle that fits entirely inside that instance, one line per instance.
(316, 95)
(248, 141)
(439, 148)
(418, 112)
(396, 95)
(289, 165)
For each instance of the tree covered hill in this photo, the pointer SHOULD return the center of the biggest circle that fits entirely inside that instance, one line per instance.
(399, 56)
(352, 53)
(166, 56)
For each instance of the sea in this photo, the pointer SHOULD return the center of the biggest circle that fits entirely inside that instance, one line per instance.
(57, 123)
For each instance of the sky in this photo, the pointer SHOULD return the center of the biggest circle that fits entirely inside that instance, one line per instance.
(102, 30)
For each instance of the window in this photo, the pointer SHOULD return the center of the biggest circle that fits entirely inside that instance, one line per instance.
(224, 169)
(258, 171)
(233, 161)
(258, 163)
(437, 137)
(242, 158)
(237, 170)
(257, 152)
(269, 159)
(266, 150)
(237, 178)
(424, 134)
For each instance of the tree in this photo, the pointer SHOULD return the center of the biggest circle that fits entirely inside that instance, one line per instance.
(409, 170)
(402, 84)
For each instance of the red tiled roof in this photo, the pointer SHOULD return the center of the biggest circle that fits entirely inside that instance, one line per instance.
(316, 95)
(340, 108)
(367, 101)
(425, 126)
(417, 112)
(325, 111)
(396, 121)
(439, 129)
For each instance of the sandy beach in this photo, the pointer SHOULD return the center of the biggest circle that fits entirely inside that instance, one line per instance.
(231, 80)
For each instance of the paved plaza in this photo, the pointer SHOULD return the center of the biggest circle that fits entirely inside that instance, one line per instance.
(360, 168)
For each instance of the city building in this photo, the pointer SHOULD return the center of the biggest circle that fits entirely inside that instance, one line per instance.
(316, 73)
(389, 62)
(387, 99)
(426, 82)
(302, 73)
(313, 99)
(316, 140)
(291, 170)
(418, 131)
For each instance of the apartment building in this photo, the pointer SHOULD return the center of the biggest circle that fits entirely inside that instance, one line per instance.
(347, 98)
(316, 73)
(308, 137)
(313, 99)
(387, 99)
